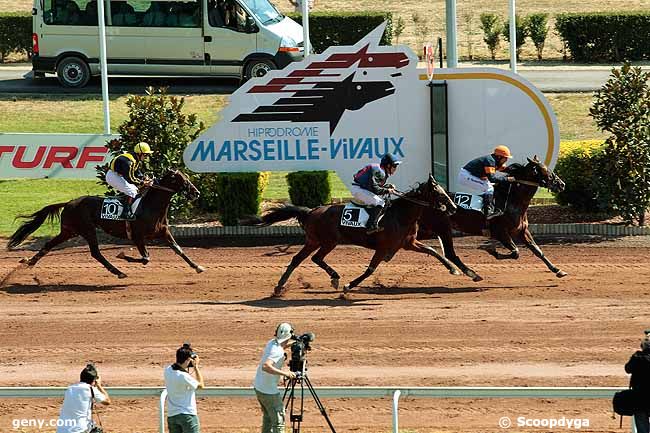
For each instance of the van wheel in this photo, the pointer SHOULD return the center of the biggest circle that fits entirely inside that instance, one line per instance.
(258, 68)
(73, 72)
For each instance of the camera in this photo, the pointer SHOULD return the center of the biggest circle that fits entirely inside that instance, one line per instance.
(298, 349)
(193, 354)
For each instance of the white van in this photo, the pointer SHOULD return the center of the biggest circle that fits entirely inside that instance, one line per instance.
(223, 38)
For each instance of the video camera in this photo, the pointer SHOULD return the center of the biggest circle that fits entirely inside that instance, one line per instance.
(193, 354)
(298, 349)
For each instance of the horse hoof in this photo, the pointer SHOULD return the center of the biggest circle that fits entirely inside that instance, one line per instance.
(23, 260)
(346, 288)
(121, 275)
(279, 291)
(454, 271)
(561, 274)
(344, 296)
(335, 283)
(121, 255)
(477, 278)
(200, 269)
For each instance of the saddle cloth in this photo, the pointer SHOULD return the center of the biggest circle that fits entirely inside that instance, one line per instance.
(468, 201)
(354, 215)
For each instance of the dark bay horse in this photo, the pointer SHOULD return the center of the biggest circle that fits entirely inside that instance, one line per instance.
(515, 199)
(323, 232)
(81, 216)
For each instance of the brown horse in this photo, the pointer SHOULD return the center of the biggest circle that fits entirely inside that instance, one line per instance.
(323, 232)
(515, 199)
(81, 216)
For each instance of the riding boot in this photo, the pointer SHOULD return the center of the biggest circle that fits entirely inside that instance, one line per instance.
(373, 219)
(489, 209)
(128, 213)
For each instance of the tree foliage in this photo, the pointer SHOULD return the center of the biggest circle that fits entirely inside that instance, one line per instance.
(622, 108)
(538, 30)
(490, 24)
(521, 32)
(158, 119)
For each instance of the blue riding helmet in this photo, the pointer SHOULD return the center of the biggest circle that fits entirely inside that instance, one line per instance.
(390, 159)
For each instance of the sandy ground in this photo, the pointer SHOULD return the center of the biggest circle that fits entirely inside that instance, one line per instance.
(412, 324)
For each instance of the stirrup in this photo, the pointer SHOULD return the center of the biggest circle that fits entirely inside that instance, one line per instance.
(496, 213)
(371, 230)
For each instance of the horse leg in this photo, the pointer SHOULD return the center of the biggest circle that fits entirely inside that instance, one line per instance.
(450, 253)
(419, 247)
(507, 242)
(319, 259)
(530, 243)
(63, 236)
(374, 262)
(306, 250)
(91, 237)
(142, 248)
(178, 250)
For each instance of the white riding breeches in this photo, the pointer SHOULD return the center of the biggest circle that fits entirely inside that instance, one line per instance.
(472, 184)
(366, 197)
(120, 184)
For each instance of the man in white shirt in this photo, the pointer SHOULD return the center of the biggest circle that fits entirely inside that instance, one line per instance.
(267, 377)
(76, 412)
(181, 387)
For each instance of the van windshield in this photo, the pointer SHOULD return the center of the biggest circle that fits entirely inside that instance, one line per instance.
(264, 11)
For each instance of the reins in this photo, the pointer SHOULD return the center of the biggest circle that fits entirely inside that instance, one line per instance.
(163, 188)
(528, 182)
(412, 200)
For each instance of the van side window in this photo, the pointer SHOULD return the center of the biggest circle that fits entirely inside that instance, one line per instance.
(168, 13)
(64, 12)
(227, 13)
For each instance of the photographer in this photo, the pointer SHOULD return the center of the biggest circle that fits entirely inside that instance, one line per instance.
(76, 413)
(181, 391)
(639, 367)
(267, 377)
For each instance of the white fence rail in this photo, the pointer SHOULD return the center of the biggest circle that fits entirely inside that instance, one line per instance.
(394, 393)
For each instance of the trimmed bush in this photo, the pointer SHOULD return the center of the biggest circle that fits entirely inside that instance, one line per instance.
(538, 30)
(344, 28)
(577, 166)
(15, 34)
(309, 188)
(235, 194)
(598, 37)
(521, 32)
(491, 26)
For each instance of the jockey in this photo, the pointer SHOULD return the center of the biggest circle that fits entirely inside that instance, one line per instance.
(370, 183)
(481, 173)
(124, 174)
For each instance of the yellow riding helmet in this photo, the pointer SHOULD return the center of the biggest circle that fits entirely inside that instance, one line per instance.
(502, 150)
(142, 147)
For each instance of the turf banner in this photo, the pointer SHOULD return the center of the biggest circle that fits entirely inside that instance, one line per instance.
(52, 155)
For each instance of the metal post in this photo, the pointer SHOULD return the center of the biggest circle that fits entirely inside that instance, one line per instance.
(440, 51)
(102, 65)
(452, 55)
(161, 411)
(305, 26)
(396, 395)
(513, 37)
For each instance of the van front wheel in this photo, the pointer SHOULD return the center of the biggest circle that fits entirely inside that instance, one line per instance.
(73, 72)
(258, 68)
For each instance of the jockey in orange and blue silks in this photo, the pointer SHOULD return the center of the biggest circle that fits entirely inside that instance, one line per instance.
(369, 184)
(479, 176)
(124, 175)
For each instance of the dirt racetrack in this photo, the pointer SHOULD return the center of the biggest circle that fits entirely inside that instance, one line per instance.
(411, 325)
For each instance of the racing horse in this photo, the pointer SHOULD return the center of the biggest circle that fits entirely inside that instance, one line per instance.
(323, 232)
(513, 224)
(81, 216)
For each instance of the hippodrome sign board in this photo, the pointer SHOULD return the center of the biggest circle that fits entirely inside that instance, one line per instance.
(351, 104)
(71, 156)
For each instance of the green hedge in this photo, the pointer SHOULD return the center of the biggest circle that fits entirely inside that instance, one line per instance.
(309, 188)
(577, 166)
(344, 28)
(15, 33)
(232, 195)
(598, 37)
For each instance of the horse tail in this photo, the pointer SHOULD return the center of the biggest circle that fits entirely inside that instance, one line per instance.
(35, 220)
(282, 213)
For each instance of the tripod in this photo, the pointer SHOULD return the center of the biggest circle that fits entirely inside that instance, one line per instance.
(289, 393)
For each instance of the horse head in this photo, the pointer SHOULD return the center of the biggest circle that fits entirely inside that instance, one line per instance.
(435, 195)
(536, 171)
(177, 181)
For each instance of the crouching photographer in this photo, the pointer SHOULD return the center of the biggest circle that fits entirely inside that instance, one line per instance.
(76, 414)
(181, 387)
(639, 367)
(267, 377)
